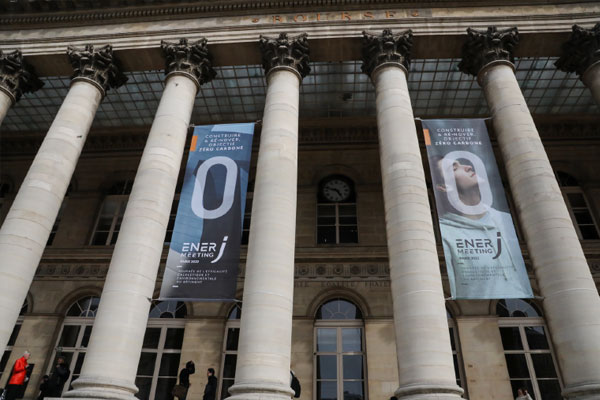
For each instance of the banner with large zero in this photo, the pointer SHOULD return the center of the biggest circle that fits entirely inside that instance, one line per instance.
(204, 253)
(481, 248)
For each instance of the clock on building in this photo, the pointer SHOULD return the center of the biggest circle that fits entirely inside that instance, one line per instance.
(336, 189)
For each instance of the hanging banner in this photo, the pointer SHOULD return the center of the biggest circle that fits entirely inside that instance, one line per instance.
(204, 254)
(482, 252)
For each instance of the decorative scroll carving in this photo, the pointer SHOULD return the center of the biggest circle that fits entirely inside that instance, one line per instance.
(482, 48)
(581, 50)
(190, 58)
(284, 51)
(97, 65)
(386, 48)
(16, 76)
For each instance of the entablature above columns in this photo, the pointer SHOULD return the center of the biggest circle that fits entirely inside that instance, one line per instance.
(333, 35)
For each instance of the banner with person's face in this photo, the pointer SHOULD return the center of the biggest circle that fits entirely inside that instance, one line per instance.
(481, 248)
(204, 253)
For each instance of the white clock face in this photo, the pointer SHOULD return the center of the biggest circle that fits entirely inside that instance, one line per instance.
(336, 190)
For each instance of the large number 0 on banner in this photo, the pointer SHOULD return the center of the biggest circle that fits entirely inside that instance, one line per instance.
(482, 180)
(228, 192)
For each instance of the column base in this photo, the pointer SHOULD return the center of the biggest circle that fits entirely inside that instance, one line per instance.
(429, 391)
(101, 388)
(260, 391)
(586, 391)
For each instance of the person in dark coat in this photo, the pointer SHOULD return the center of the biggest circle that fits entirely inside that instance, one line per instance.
(44, 388)
(210, 390)
(58, 378)
(184, 376)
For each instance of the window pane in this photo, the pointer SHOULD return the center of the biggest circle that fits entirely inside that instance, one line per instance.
(536, 338)
(4, 360)
(164, 388)
(100, 238)
(456, 372)
(348, 234)
(543, 365)
(589, 232)
(146, 365)
(576, 200)
(324, 210)
(169, 364)
(452, 344)
(511, 339)
(326, 221)
(351, 339)
(583, 217)
(233, 336)
(86, 336)
(326, 390)
(229, 367)
(326, 235)
(549, 389)
(348, 209)
(353, 391)
(144, 385)
(227, 383)
(78, 364)
(522, 383)
(14, 334)
(517, 367)
(326, 367)
(151, 338)
(326, 340)
(174, 338)
(353, 367)
(348, 220)
(69, 336)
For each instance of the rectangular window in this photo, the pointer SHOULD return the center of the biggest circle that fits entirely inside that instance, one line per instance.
(109, 220)
(337, 223)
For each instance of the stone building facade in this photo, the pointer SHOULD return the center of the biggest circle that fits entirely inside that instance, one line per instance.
(351, 293)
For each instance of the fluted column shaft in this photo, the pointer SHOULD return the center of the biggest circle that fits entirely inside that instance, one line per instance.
(115, 346)
(425, 364)
(424, 353)
(263, 361)
(25, 231)
(591, 79)
(264, 350)
(571, 301)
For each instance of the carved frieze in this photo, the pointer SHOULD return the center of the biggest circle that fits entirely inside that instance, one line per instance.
(96, 65)
(581, 50)
(285, 52)
(192, 59)
(16, 76)
(386, 48)
(485, 47)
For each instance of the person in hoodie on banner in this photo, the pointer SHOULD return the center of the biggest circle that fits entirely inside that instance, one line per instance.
(482, 252)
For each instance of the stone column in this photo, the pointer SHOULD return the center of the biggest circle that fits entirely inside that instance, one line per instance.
(16, 77)
(581, 54)
(113, 354)
(424, 353)
(263, 363)
(571, 302)
(25, 230)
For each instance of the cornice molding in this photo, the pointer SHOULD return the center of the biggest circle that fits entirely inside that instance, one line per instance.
(64, 15)
(17, 144)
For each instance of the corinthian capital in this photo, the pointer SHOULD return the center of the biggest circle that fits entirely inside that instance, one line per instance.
(285, 52)
(97, 66)
(581, 50)
(386, 48)
(16, 76)
(190, 59)
(485, 47)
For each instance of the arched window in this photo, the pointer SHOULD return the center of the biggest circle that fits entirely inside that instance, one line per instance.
(161, 351)
(75, 335)
(230, 349)
(111, 213)
(577, 204)
(339, 356)
(456, 355)
(13, 339)
(527, 349)
(159, 361)
(336, 211)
